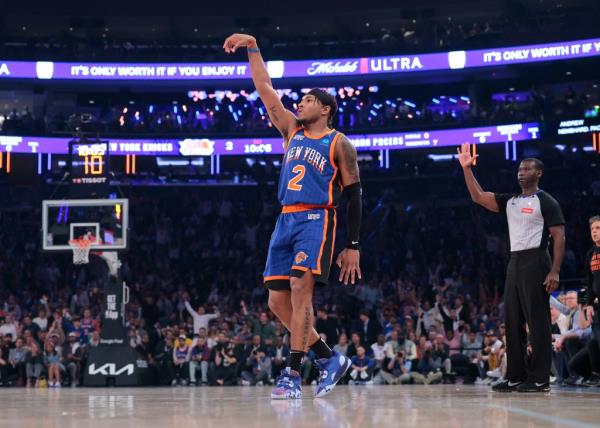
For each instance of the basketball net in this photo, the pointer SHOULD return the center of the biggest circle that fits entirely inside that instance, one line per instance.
(81, 249)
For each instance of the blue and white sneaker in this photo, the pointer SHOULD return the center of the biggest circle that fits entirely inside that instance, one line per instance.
(332, 370)
(288, 385)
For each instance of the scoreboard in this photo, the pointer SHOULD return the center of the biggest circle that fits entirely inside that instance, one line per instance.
(89, 167)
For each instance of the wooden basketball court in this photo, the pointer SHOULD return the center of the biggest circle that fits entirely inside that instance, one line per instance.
(441, 406)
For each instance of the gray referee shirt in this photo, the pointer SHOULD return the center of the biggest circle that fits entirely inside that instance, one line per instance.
(529, 218)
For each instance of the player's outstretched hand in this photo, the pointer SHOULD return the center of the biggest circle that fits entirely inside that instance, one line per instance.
(349, 263)
(235, 41)
(464, 155)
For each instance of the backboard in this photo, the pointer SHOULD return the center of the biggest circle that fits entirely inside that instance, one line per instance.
(107, 220)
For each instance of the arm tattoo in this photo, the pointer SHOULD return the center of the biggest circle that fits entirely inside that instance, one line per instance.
(273, 114)
(350, 162)
(306, 328)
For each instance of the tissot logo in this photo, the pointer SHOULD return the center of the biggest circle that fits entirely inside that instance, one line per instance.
(110, 369)
(332, 67)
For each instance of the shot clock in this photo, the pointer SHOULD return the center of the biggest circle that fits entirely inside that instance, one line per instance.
(89, 167)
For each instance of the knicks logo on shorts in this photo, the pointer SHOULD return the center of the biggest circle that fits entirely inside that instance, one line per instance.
(300, 257)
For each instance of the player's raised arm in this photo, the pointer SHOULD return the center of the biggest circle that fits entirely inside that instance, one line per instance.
(485, 199)
(349, 259)
(284, 120)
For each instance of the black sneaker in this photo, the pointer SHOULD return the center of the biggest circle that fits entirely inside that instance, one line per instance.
(506, 386)
(534, 387)
(572, 380)
(594, 380)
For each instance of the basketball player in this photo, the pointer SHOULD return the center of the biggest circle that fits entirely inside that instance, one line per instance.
(319, 164)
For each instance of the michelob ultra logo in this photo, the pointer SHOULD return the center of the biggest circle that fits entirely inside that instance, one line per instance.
(331, 67)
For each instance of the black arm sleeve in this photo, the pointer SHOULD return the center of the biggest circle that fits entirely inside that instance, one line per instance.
(354, 194)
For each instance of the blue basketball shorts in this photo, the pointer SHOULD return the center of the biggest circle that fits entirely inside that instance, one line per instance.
(301, 241)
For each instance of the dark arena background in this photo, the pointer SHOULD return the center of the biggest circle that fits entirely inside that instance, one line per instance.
(127, 131)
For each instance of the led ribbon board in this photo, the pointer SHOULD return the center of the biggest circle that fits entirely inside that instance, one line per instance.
(262, 146)
(161, 72)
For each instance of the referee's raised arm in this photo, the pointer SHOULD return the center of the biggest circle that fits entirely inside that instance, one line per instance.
(478, 195)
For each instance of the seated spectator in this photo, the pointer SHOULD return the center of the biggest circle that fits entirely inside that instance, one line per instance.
(409, 347)
(34, 365)
(145, 352)
(367, 328)
(223, 370)
(163, 355)
(342, 346)
(199, 359)
(29, 325)
(279, 353)
(441, 354)
(492, 354)
(429, 369)
(181, 354)
(395, 369)
(260, 363)
(42, 319)
(453, 342)
(16, 359)
(392, 345)
(5, 347)
(82, 337)
(328, 325)
(73, 357)
(95, 340)
(54, 365)
(574, 339)
(580, 365)
(378, 350)
(361, 370)
(8, 326)
(354, 345)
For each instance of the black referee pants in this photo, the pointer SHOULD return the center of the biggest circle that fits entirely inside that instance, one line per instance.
(526, 304)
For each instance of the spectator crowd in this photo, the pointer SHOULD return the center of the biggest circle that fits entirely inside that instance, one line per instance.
(360, 109)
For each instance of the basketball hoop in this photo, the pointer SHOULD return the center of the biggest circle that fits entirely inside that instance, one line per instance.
(81, 249)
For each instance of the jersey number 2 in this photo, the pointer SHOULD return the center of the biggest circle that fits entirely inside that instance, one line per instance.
(299, 170)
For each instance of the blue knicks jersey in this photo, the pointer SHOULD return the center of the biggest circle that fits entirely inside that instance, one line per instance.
(309, 175)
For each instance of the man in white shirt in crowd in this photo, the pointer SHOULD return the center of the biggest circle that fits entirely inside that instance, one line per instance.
(378, 349)
(201, 318)
(42, 319)
(9, 326)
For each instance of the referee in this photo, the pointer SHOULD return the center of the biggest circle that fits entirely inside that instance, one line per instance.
(532, 216)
